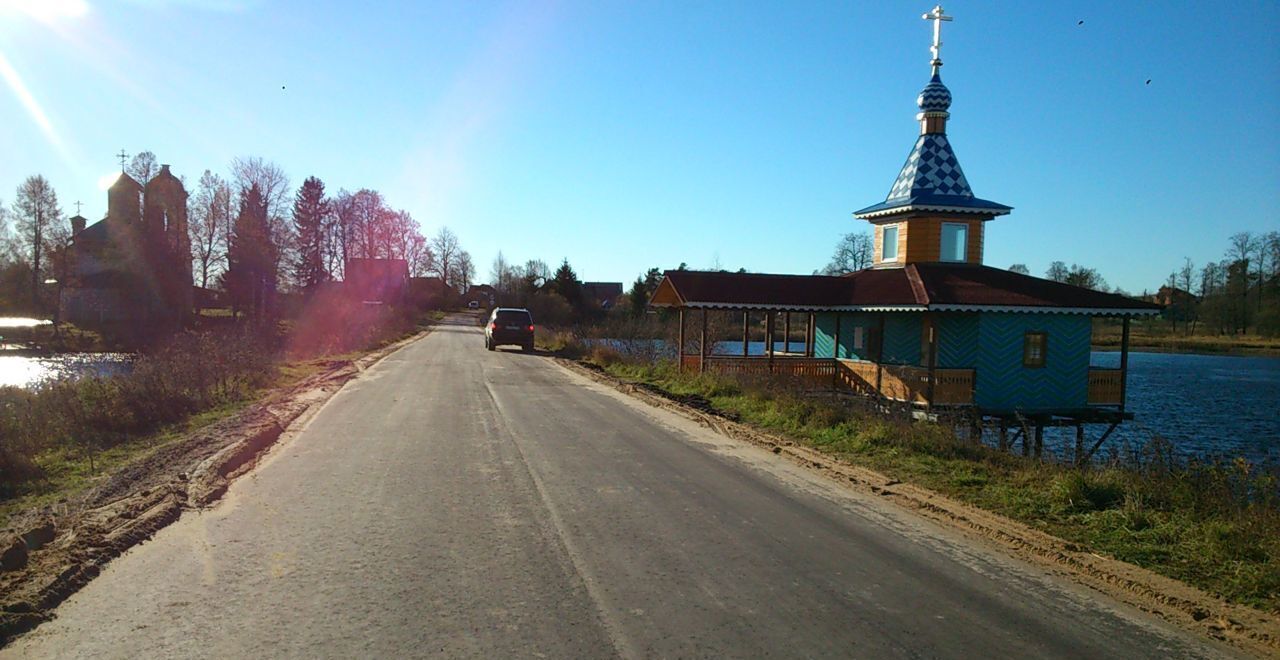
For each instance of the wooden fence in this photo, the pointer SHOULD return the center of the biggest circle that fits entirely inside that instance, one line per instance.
(1106, 386)
(895, 382)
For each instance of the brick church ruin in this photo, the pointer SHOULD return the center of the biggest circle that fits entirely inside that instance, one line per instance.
(132, 268)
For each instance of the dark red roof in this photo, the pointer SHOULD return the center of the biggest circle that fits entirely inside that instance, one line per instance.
(936, 286)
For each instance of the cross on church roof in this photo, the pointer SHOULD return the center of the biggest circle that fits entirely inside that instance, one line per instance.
(123, 157)
(937, 17)
(77, 207)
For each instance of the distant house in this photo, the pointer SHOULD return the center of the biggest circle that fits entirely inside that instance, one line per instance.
(483, 294)
(1171, 295)
(429, 292)
(377, 280)
(604, 294)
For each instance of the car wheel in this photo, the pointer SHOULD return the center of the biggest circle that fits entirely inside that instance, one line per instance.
(489, 345)
(528, 348)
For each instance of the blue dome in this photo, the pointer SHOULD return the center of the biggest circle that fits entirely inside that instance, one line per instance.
(935, 97)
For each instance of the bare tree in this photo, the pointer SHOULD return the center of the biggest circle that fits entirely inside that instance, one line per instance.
(1242, 248)
(445, 247)
(143, 167)
(853, 252)
(37, 218)
(418, 254)
(1021, 269)
(209, 226)
(1186, 276)
(339, 233)
(500, 274)
(1058, 272)
(466, 271)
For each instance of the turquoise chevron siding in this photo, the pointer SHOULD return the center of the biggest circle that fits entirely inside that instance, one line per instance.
(957, 340)
(1004, 384)
(824, 330)
(902, 338)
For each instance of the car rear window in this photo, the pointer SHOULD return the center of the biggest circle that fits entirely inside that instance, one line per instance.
(513, 318)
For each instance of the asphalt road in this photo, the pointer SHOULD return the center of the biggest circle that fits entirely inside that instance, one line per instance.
(454, 502)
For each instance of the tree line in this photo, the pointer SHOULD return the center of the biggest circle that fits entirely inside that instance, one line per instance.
(1237, 294)
(251, 236)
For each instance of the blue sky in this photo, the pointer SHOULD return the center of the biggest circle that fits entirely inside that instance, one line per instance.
(625, 135)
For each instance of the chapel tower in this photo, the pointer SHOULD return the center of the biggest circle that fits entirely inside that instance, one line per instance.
(931, 214)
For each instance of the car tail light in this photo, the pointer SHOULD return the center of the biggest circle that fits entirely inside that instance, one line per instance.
(493, 326)
(530, 327)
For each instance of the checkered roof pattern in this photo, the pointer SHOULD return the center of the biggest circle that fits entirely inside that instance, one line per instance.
(931, 169)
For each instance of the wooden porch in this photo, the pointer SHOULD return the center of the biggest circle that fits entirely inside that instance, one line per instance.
(924, 386)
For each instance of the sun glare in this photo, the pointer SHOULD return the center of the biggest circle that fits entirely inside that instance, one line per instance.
(46, 10)
(105, 181)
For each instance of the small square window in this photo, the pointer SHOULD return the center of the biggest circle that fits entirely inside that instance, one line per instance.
(954, 241)
(1034, 346)
(889, 243)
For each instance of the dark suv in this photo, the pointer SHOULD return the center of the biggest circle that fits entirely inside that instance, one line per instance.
(509, 326)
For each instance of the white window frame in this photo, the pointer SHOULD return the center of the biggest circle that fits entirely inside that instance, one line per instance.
(964, 247)
(885, 243)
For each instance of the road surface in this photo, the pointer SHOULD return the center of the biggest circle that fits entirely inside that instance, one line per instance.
(455, 502)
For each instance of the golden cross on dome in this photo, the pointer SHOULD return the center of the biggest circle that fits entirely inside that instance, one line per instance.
(937, 17)
(123, 157)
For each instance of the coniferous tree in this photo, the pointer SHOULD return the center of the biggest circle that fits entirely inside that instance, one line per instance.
(310, 211)
(250, 280)
(565, 282)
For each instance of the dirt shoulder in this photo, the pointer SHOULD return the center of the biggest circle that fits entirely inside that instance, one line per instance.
(1243, 627)
(51, 552)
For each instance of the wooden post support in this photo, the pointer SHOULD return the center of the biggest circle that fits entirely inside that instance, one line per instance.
(1039, 439)
(880, 356)
(768, 337)
(809, 336)
(746, 332)
(680, 344)
(835, 347)
(786, 333)
(1079, 444)
(702, 345)
(1124, 362)
(1004, 436)
(933, 359)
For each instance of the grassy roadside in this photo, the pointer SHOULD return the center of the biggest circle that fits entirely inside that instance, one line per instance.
(65, 469)
(1212, 525)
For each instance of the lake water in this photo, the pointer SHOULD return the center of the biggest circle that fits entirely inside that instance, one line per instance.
(28, 371)
(23, 368)
(1204, 404)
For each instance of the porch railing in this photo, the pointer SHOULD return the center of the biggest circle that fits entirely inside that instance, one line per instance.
(895, 382)
(1106, 386)
(907, 383)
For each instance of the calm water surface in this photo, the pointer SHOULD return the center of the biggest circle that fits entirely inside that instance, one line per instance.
(19, 368)
(1204, 404)
(28, 371)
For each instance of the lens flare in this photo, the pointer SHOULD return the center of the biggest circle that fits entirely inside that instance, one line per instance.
(19, 88)
(46, 11)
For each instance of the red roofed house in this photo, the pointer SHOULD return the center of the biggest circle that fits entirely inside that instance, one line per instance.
(928, 323)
